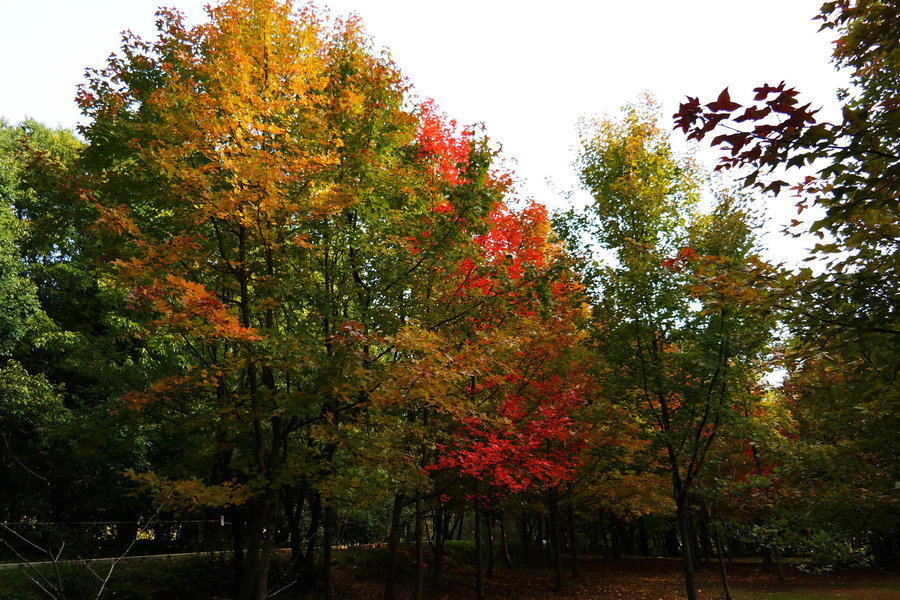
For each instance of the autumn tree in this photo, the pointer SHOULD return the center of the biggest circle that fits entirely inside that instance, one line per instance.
(523, 432)
(843, 317)
(280, 213)
(675, 329)
(497, 289)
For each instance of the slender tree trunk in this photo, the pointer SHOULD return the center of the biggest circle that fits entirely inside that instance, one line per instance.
(525, 531)
(456, 528)
(306, 568)
(237, 545)
(671, 542)
(644, 539)
(479, 558)
(250, 570)
(573, 542)
(779, 565)
(540, 538)
(295, 500)
(268, 545)
(720, 550)
(255, 580)
(697, 550)
(420, 558)
(507, 560)
(706, 541)
(604, 536)
(441, 526)
(393, 547)
(557, 542)
(684, 527)
(327, 545)
(490, 541)
(615, 532)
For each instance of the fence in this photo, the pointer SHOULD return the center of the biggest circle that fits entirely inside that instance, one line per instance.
(32, 540)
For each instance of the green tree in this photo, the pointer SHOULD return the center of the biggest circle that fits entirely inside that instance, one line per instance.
(676, 333)
(69, 362)
(18, 297)
(843, 318)
(28, 403)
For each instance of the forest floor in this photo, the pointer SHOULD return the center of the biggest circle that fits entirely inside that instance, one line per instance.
(359, 575)
(642, 579)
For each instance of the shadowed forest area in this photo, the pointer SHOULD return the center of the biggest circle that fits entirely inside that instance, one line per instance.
(273, 312)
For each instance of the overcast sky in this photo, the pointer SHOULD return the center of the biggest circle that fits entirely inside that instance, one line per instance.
(527, 70)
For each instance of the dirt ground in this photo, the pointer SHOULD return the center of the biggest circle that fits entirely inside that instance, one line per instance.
(641, 579)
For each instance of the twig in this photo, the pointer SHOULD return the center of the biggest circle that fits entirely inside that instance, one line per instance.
(29, 565)
(141, 529)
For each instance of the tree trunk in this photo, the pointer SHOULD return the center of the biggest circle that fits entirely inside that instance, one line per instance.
(604, 536)
(327, 545)
(294, 502)
(540, 538)
(237, 546)
(779, 565)
(420, 558)
(490, 541)
(573, 543)
(441, 527)
(507, 560)
(255, 574)
(456, 528)
(615, 531)
(644, 539)
(556, 538)
(705, 541)
(268, 545)
(393, 547)
(720, 550)
(525, 532)
(249, 571)
(684, 527)
(304, 570)
(672, 549)
(479, 559)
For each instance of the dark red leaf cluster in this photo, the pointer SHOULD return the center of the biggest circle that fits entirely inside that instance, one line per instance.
(772, 132)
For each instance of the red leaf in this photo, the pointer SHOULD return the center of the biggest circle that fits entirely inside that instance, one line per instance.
(688, 112)
(766, 89)
(753, 113)
(723, 103)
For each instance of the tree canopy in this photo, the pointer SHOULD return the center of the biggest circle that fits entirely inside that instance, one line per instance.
(268, 286)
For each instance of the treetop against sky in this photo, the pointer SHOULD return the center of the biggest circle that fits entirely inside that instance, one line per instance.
(527, 71)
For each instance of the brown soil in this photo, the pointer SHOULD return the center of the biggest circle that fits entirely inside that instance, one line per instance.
(637, 579)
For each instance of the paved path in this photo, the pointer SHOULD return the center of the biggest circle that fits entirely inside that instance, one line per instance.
(101, 561)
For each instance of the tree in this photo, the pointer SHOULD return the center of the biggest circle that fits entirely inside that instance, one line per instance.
(28, 403)
(280, 213)
(66, 363)
(18, 297)
(675, 327)
(844, 319)
(523, 432)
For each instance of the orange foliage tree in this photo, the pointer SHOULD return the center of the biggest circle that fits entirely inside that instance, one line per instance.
(261, 177)
(311, 245)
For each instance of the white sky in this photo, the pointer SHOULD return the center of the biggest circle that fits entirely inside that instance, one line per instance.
(527, 70)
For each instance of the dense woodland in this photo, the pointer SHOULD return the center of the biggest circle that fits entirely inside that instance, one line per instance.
(270, 298)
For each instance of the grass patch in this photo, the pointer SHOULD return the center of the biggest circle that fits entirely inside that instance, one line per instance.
(189, 578)
(861, 586)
